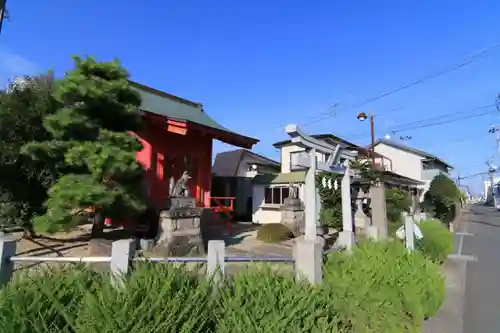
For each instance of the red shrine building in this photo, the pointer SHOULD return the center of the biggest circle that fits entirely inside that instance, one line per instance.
(177, 137)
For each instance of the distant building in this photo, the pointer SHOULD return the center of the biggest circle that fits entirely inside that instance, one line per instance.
(413, 163)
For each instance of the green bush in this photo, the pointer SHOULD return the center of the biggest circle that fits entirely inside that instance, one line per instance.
(45, 301)
(441, 198)
(274, 233)
(329, 217)
(381, 287)
(331, 201)
(158, 298)
(397, 202)
(267, 301)
(437, 242)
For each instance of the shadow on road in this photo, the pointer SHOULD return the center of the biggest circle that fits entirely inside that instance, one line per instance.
(484, 223)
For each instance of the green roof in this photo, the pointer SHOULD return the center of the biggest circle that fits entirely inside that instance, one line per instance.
(176, 108)
(280, 178)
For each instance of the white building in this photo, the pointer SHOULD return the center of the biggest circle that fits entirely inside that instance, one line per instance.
(413, 163)
(270, 190)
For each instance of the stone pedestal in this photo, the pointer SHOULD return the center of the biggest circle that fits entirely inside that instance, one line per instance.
(379, 213)
(346, 239)
(179, 228)
(293, 215)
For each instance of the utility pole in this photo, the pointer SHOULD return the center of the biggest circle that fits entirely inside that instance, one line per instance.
(491, 172)
(495, 129)
(362, 117)
(3, 4)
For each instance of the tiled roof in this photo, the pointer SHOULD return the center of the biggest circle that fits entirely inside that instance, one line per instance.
(176, 108)
(227, 163)
(331, 138)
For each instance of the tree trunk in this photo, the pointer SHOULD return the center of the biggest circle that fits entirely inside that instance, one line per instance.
(28, 230)
(97, 226)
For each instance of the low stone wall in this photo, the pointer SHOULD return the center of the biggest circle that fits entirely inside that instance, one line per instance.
(456, 225)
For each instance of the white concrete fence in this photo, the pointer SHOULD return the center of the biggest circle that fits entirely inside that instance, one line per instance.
(410, 230)
(307, 259)
(307, 256)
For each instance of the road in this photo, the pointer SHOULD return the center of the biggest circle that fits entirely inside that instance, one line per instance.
(479, 246)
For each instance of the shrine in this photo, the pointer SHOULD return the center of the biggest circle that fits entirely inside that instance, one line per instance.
(177, 137)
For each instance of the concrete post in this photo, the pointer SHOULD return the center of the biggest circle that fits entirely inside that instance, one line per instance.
(379, 213)
(216, 260)
(310, 203)
(122, 253)
(409, 231)
(309, 260)
(414, 201)
(7, 250)
(346, 236)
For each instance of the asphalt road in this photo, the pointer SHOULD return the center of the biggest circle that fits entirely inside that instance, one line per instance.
(479, 246)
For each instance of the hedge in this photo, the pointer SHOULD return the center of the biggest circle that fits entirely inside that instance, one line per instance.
(437, 242)
(379, 288)
(274, 233)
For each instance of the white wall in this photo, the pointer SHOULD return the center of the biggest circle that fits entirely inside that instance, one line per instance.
(403, 162)
(245, 188)
(266, 213)
(288, 149)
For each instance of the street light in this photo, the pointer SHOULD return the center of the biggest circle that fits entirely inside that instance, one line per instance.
(362, 117)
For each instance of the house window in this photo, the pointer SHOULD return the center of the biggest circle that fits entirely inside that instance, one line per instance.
(294, 157)
(275, 195)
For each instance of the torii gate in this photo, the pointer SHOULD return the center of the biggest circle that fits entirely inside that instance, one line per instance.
(311, 197)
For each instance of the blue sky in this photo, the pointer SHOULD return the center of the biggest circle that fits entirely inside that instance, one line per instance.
(258, 65)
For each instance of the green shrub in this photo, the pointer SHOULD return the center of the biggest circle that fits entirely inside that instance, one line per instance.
(329, 217)
(441, 198)
(397, 202)
(45, 301)
(274, 233)
(331, 200)
(157, 298)
(437, 242)
(264, 300)
(381, 287)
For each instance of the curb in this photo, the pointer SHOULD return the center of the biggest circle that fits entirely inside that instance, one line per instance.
(450, 316)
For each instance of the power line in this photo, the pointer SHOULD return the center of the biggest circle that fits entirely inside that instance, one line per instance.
(467, 61)
(474, 175)
(441, 117)
(435, 121)
(443, 122)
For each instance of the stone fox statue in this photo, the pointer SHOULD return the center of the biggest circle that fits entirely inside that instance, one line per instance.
(179, 188)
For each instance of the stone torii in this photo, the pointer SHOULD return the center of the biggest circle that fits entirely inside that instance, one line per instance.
(312, 202)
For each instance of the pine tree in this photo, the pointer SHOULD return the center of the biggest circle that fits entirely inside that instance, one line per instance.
(91, 130)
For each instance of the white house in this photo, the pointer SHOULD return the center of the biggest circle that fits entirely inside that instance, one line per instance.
(232, 175)
(413, 163)
(260, 184)
(270, 190)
